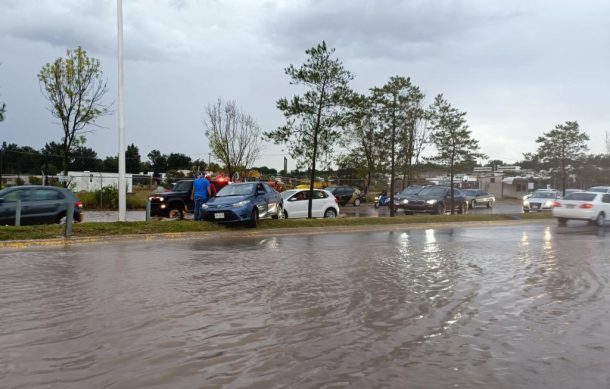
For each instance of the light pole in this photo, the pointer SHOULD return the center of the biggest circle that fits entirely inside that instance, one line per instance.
(122, 187)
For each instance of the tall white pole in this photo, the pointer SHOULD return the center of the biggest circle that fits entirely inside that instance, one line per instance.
(122, 182)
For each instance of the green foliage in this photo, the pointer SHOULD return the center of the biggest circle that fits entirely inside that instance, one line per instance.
(562, 145)
(35, 180)
(74, 87)
(132, 159)
(314, 119)
(2, 111)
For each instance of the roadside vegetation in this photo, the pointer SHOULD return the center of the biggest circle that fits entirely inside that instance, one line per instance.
(11, 233)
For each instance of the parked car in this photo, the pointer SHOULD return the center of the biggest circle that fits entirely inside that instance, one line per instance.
(599, 189)
(478, 196)
(346, 195)
(175, 203)
(296, 203)
(401, 199)
(593, 207)
(39, 204)
(541, 200)
(437, 200)
(246, 202)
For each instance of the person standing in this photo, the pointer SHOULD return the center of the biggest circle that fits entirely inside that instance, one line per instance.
(200, 194)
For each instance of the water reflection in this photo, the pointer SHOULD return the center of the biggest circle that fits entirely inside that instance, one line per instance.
(431, 307)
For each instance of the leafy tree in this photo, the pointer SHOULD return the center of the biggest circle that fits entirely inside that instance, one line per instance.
(75, 88)
(110, 164)
(397, 107)
(2, 111)
(158, 161)
(313, 119)
(21, 159)
(85, 158)
(234, 136)
(198, 166)
(561, 145)
(362, 140)
(452, 138)
(177, 161)
(132, 159)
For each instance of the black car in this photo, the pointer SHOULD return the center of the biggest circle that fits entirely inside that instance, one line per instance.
(346, 195)
(401, 199)
(175, 203)
(437, 200)
(39, 204)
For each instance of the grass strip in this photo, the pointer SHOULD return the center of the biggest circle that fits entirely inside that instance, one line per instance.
(9, 233)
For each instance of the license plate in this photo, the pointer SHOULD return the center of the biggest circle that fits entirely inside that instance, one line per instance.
(536, 206)
(219, 215)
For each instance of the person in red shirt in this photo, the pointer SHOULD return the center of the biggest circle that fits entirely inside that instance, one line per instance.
(212, 186)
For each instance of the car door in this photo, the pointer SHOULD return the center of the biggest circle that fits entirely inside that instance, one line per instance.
(261, 200)
(8, 206)
(319, 203)
(44, 205)
(298, 204)
(274, 199)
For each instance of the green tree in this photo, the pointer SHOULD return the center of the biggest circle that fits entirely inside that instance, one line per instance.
(234, 136)
(397, 107)
(2, 113)
(452, 138)
(562, 145)
(75, 88)
(132, 159)
(362, 140)
(110, 164)
(158, 161)
(178, 161)
(314, 119)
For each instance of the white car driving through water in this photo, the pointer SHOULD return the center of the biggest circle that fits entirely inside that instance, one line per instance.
(593, 207)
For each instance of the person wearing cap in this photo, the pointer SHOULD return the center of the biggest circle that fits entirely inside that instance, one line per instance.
(200, 195)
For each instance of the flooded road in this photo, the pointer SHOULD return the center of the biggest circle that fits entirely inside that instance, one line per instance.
(525, 306)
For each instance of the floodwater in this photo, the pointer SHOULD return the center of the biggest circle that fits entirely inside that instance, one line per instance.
(469, 307)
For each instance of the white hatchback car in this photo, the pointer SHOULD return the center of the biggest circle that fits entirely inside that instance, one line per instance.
(593, 207)
(296, 202)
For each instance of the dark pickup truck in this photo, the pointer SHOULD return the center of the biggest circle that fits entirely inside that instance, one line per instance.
(173, 204)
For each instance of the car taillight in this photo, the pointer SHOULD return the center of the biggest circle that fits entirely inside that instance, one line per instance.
(556, 204)
(586, 206)
(78, 204)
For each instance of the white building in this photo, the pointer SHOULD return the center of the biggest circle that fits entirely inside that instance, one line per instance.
(91, 181)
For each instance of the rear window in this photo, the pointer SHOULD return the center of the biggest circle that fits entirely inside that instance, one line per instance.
(581, 196)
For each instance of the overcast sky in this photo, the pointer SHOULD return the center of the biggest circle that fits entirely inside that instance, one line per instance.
(516, 67)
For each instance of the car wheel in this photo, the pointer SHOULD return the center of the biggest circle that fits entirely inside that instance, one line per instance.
(464, 208)
(285, 214)
(357, 203)
(280, 212)
(489, 204)
(330, 213)
(61, 218)
(376, 205)
(472, 204)
(601, 220)
(562, 221)
(440, 209)
(254, 218)
(175, 213)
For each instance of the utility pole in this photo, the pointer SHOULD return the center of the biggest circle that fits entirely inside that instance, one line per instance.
(122, 184)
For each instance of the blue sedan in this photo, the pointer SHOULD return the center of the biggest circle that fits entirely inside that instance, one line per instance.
(246, 202)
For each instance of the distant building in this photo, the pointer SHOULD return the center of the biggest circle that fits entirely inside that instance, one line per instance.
(92, 181)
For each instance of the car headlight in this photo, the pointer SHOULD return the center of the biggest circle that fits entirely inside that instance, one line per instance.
(548, 203)
(526, 203)
(160, 199)
(376, 198)
(431, 202)
(241, 203)
(204, 206)
(405, 201)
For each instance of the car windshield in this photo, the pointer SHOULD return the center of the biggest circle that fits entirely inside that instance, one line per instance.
(470, 192)
(236, 190)
(433, 191)
(599, 189)
(182, 186)
(544, 195)
(412, 190)
(287, 193)
(581, 196)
